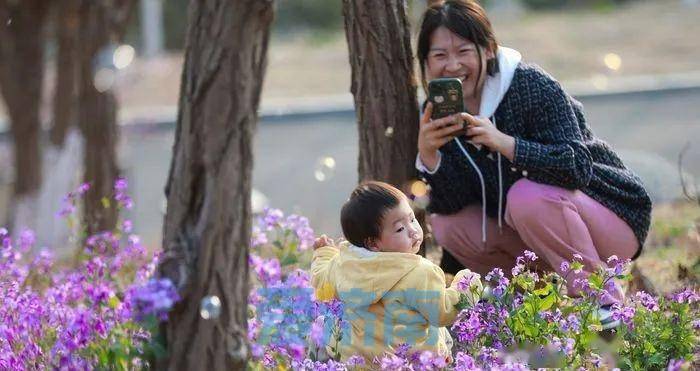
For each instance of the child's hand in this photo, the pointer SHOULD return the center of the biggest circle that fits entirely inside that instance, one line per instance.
(323, 241)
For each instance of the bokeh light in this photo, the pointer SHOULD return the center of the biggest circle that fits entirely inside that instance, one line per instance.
(104, 79)
(389, 132)
(419, 188)
(612, 61)
(600, 82)
(123, 56)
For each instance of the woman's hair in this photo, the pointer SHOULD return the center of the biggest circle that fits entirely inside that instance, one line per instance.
(362, 214)
(465, 18)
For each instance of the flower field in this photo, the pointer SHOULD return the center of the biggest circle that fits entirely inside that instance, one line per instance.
(102, 310)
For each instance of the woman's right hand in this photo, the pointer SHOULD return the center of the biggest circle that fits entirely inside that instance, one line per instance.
(433, 134)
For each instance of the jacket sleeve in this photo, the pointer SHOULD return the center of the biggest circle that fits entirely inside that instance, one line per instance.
(435, 302)
(320, 270)
(553, 150)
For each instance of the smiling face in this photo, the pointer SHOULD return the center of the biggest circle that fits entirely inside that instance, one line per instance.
(450, 55)
(400, 231)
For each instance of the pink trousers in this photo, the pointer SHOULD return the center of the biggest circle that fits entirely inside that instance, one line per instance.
(553, 222)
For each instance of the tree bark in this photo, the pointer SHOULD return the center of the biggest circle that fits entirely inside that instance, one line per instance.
(383, 86)
(65, 95)
(207, 225)
(384, 90)
(100, 22)
(21, 81)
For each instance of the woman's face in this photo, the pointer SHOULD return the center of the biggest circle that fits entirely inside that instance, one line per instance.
(452, 56)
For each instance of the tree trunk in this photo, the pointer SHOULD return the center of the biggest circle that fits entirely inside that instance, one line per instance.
(21, 81)
(100, 22)
(384, 89)
(207, 225)
(65, 96)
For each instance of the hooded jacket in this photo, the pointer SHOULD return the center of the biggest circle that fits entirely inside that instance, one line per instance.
(553, 145)
(389, 299)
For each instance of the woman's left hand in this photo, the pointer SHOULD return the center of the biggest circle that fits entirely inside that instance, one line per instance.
(482, 131)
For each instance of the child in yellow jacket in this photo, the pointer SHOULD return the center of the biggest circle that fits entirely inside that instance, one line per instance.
(391, 295)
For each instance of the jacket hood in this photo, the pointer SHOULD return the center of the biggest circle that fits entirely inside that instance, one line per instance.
(363, 277)
(496, 86)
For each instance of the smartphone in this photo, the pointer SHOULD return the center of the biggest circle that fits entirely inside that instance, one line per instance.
(446, 96)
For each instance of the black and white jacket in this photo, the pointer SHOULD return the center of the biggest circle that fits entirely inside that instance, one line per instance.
(553, 145)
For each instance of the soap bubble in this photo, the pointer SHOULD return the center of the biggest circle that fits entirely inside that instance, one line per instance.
(325, 168)
(210, 308)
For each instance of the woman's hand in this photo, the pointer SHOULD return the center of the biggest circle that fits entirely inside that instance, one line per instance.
(323, 241)
(482, 131)
(434, 134)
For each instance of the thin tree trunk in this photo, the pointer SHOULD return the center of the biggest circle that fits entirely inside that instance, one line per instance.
(21, 81)
(65, 96)
(384, 89)
(100, 22)
(207, 225)
(383, 86)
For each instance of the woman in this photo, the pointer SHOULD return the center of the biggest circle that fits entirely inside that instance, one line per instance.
(529, 174)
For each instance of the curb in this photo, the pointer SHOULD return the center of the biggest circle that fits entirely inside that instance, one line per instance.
(281, 110)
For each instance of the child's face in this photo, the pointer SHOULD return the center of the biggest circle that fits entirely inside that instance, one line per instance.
(400, 231)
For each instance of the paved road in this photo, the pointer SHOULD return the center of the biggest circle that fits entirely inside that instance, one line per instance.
(648, 129)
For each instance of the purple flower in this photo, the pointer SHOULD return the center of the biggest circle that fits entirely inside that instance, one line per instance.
(647, 301)
(156, 297)
(268, 271)
(271, 218)
(258, 237)
(495, 273)
(624, 314)
(127, 226)
(392, 362)
(298, 278)
(465, 282)
(355, 361)
(529, 255)
(464, 362)
(675, 364)
(430, 361)
(317, 331)
(517, 269)
(564, 267)
(686, 296)
(571, 323)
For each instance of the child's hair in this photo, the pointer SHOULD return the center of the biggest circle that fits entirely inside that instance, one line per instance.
(362, 214)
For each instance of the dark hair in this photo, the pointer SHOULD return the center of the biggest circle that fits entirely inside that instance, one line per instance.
(362, 214)
(465, 18)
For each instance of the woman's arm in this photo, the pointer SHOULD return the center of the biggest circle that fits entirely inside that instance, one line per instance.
(553, 148)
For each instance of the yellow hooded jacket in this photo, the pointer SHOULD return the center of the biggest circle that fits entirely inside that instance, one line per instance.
(389, 298)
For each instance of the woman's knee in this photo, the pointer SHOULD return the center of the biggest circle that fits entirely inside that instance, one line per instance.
(528, 201)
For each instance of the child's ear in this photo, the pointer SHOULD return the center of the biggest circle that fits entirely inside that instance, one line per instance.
(371, 245)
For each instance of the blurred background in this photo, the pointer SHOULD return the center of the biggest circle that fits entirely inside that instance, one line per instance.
(632, 63)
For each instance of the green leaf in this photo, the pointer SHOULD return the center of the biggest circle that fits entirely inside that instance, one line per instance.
(595, 281)
(105, 202)
(547, 302)
(543, 291)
